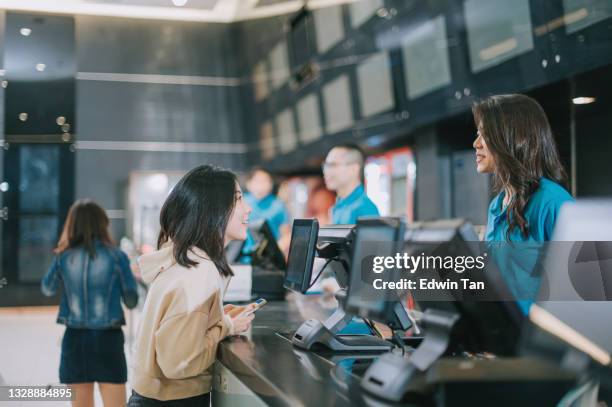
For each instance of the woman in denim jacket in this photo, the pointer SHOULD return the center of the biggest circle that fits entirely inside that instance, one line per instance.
(95, 276)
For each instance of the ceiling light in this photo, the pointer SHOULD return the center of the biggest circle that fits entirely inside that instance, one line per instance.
(583, 100)
(25, 31)
(179, 3)
(40, 67)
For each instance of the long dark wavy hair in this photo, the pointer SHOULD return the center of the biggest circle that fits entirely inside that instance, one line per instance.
(85, 224)
(518, 135)
(196, 213)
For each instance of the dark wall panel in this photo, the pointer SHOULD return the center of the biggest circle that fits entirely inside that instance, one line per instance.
(154, 81)
(594, 146)
(40, 70)
(109, 187)
(123, 111)
(153, 47)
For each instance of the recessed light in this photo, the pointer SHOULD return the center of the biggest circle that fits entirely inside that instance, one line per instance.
(25, 31)
(40, 67)
(583, 100)
(179, 3)
(382, 12)
(23, 116)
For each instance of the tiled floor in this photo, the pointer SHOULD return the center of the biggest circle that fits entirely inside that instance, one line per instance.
(30, 343)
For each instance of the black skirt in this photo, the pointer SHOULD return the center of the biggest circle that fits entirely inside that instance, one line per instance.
(137, 400)
(93, 355)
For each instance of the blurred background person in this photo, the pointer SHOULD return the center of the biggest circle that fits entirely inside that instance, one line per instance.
(266, 206)
(94, 276)
(343, 174)
(320, 202)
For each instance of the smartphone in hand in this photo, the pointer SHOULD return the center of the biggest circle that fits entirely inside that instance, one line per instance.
(256, 306)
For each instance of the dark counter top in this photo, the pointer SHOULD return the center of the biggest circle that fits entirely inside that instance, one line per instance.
(268, 364)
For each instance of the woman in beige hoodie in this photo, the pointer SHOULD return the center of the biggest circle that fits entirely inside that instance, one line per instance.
(183, 318)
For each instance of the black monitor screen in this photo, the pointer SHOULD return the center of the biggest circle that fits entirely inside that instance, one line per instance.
(301, 254)
(484, 325)
(374, 237)
(301, 45)
(266, 254)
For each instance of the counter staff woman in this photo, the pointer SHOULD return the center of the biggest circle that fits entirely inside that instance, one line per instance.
(515, 143)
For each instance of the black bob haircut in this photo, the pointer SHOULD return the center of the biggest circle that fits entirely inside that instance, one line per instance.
(196, 213)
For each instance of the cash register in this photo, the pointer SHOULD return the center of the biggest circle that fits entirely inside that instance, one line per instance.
(336, 245)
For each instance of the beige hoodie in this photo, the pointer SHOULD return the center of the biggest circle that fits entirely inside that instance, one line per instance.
(182, 323)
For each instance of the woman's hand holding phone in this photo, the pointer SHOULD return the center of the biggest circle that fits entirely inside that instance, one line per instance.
(241, 318)
(242, 322)
(233, 310)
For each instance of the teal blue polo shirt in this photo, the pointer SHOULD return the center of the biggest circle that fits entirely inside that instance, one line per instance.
(540, 213)
(517, 262)
(353, 206)
(345, 212)
(269, 208)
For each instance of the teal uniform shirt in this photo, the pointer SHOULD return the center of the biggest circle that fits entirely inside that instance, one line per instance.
(345, 212)
(355, 205)
(517, 262)
(269, 208)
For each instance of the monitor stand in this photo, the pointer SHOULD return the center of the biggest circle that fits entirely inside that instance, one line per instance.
(314, 332)
(391, 375)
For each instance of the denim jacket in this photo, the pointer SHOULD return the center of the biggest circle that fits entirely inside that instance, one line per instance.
(93, 287)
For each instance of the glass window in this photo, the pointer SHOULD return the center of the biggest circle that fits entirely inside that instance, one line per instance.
(39, 179)
(337, 102)
(37, 238)
(286, 131)
(425, 57)
(328, 27)
(308, 116)
(498, 30)
(375, 84)
(362, 10)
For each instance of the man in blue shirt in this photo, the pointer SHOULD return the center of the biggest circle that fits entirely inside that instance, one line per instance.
(266, 205)
(343, 173)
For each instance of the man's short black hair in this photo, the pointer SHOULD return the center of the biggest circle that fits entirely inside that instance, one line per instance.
(359, 156)
(353, 148)
(251, 173)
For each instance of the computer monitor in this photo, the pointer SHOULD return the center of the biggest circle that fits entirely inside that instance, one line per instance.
(301, 254)
(335, 242)
(266, 254)
(375, 237)
(484, 325)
